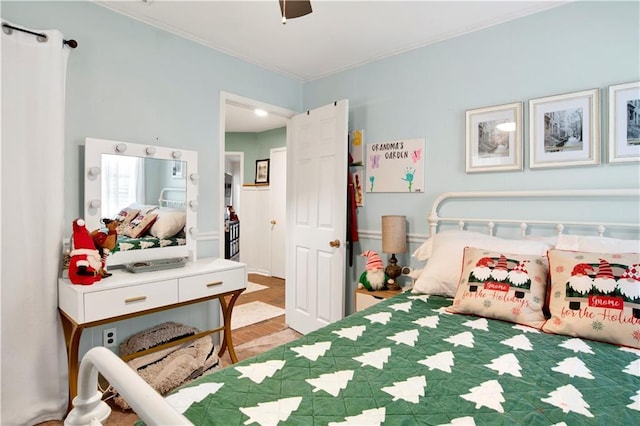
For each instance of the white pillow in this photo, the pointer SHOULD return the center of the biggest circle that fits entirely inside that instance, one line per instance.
(168, 223)
(424, 251)
(592, 244)
(442, 272)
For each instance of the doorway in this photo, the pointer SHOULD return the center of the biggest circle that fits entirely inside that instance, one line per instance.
(238, 122)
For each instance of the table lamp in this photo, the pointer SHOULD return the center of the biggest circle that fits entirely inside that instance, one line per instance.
(394, 240)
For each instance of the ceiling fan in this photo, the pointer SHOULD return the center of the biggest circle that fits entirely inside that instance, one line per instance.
(290, 9)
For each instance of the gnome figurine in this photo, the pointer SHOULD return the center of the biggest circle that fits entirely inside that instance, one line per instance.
(85, 266)
(374, 277)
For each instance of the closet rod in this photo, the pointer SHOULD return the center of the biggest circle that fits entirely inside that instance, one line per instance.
(71, 43)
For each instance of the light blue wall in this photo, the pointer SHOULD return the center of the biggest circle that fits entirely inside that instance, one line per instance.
(256, 146)
(424, 93)
(133, 82)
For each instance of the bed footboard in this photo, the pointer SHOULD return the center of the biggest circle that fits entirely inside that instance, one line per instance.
(89, 409)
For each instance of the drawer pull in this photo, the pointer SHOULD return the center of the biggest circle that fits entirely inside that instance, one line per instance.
(215, 283)
(135, 299)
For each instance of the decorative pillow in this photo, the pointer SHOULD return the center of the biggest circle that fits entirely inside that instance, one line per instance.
(593, 244)
(168, 223)
(595, 296)
(124, 217)
(442, 272)
(503, 286)
(140, 225)
(144, 208)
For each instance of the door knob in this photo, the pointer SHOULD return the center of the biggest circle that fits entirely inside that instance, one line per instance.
(334, 243)
(273, 221)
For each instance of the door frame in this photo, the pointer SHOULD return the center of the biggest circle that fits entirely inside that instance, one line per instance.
(230, 98)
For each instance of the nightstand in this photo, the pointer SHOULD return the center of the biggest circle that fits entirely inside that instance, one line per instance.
(365, 298)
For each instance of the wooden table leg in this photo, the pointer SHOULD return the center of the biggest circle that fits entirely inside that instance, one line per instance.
(72, 333)
(227, 310)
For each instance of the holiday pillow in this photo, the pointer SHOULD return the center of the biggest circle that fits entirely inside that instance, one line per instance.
(124, 217)
(140, 225)
(595, 296)
(503, 286)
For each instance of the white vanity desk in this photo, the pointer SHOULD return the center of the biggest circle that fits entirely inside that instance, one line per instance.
(127, 295)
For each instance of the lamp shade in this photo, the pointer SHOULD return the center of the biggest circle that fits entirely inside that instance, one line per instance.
(394, 234)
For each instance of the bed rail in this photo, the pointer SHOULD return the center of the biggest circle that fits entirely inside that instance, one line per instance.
(173, 197)
(90, 410)
(434, 218)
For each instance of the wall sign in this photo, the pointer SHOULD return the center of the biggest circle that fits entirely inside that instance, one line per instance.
(395, 166)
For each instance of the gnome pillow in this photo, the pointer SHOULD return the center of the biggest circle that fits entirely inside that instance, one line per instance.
(509, 287)
(373, 278)
(595, 296)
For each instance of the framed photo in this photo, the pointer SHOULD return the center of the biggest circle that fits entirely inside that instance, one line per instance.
(262, 171)
(494, 138)
(564, 130)
(624, 122)
(177, 169)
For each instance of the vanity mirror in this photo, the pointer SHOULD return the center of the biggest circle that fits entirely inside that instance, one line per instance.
(151, 190)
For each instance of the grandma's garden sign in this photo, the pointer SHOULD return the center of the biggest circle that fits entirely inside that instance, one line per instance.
(395, 166)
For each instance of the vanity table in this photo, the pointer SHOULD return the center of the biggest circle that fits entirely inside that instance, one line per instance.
(126, 295)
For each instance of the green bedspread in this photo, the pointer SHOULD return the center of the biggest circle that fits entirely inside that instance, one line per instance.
(405, 361)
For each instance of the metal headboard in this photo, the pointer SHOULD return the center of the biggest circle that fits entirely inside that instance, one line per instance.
(435, 219)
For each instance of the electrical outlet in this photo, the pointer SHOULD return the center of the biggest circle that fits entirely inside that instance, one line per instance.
(109, 337)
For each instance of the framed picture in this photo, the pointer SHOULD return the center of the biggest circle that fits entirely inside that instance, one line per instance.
(177, 169)
(564, 130)
(624, 122)
(262, 171)
(494, 138)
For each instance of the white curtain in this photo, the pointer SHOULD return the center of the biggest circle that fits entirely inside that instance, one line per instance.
(34, 363)
(122, 183)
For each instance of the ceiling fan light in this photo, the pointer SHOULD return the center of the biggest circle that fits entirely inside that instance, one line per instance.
(290, 9)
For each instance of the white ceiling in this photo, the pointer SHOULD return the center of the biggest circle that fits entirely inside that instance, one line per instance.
(338, 35)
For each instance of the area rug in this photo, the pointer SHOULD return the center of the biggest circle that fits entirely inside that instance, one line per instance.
(251, 287)
(253, 312)
(263, 344)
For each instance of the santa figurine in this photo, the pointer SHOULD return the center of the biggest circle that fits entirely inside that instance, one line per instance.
(374, 277)
(85, 266)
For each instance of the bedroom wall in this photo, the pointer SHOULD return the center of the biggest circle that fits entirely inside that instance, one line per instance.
(424, 93)
(256, 146)
(133, 82)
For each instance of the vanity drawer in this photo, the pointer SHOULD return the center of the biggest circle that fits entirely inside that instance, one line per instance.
(120, 301)
(204, 285)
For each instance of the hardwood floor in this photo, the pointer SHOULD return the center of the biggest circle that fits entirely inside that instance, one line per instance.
(273, 295)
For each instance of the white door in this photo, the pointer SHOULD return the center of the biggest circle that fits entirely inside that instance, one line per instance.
(316, 217)
(278, 184)
(255, 234)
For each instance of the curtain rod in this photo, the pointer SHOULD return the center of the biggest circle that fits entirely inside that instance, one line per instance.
(71, 43)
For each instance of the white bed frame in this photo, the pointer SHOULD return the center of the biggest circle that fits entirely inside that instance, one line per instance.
(154, 410)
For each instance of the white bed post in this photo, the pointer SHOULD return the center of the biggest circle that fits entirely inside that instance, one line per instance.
(90, 410)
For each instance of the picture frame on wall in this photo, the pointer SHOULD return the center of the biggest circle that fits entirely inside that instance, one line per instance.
(624, 123)
(177, 170)
(494, 138)
(262, 171)
(564, 130)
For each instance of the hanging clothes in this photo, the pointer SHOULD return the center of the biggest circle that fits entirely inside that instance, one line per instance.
(352, 214)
